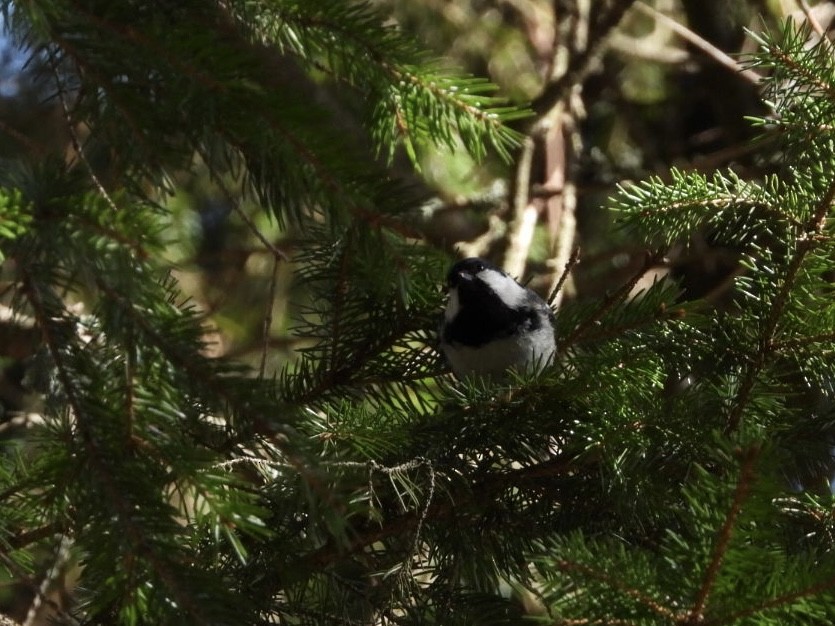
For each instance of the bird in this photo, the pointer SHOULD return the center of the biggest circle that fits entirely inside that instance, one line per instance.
(492, 323)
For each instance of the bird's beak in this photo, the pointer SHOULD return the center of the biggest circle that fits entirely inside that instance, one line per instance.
(464, 276)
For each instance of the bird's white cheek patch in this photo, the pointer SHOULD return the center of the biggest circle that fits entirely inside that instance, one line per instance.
(453, 305)
(510, 292)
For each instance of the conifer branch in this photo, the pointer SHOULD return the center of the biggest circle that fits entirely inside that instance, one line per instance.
(45, 323)
(609, 303)
(88, 70)
(130, 33)
(641, 597)
(340, 289)
(329, 179)
(26, 538)
(788, 345)
(186, 361)
(809, 76)
(806, 240)
(661, 314)
(124, 511)
(783, 601)
(352, 374)
(594, 622)
(480, 494)
(484, 115)
(400, 74)
(76, 143)
(278, 253)
(723, 538)
(137, 249)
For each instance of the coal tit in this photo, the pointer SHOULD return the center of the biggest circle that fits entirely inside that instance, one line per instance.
(493, 323)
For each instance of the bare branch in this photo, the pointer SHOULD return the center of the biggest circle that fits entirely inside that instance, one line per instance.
(718, 55)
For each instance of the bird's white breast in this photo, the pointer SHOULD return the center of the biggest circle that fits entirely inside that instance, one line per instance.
(453, 305)
(531, 350)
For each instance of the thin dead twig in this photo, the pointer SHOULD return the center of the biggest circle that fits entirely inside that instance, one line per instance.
(718, 55)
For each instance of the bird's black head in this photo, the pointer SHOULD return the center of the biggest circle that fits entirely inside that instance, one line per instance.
(485, 304)
(466, 270)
